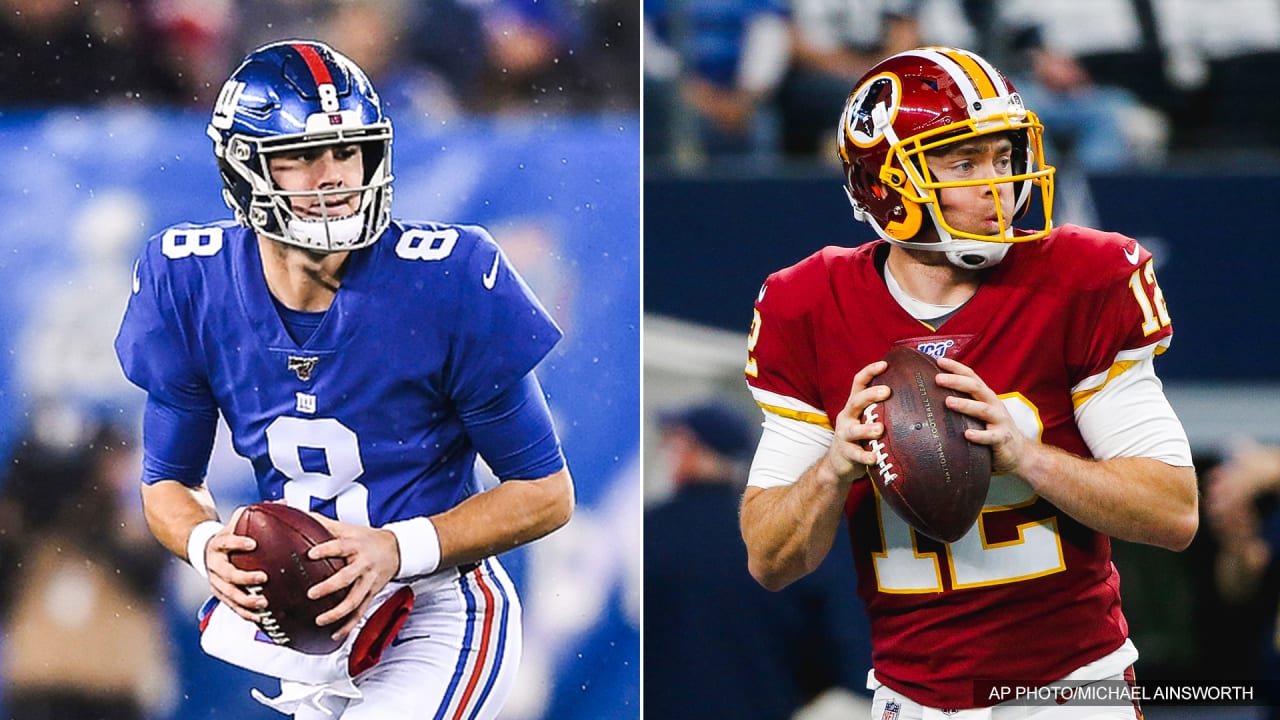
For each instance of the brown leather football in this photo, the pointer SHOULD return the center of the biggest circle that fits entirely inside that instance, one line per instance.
(925, 469)
(284, 535)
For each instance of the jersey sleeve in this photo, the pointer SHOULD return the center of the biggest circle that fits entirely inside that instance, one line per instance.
(154, 351)
(515, 434)
(781, 363)
(503, 331)
(157, 356)
(1123, 318)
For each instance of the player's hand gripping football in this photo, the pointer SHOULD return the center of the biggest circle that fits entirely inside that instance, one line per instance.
(847, 457)
(226, 580)
(1008, 445)
(372, 556)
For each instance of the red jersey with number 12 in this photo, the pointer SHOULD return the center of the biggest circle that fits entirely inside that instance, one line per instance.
(1029, 595)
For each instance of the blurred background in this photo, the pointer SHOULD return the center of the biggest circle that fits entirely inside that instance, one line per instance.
(1161, 117)
(522, 115)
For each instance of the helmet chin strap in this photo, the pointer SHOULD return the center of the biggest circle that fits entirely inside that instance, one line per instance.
(976, 254)
(964, 254)
(967, 254)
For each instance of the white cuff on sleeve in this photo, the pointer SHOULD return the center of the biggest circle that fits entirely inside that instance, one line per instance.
(419, 546)
(196, 542)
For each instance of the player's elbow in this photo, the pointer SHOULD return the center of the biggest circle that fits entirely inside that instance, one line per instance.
(768, 578)
(775, 570)
(562, 511)
(1182, 529)
(559, 500)
(1184, 520)
(771, 577)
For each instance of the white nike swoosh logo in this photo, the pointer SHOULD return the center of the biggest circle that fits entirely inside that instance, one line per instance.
(137, 283)
(491, 278)
(760, 297)
(1132, 257)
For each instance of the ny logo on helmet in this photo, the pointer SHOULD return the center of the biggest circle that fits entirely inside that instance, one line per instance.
(224, 108)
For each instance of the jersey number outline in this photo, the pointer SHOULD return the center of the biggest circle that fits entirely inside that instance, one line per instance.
(973, 561)
(753, 337)
(178, 243)
(339, 446)
(1155, 313)
(427, 244)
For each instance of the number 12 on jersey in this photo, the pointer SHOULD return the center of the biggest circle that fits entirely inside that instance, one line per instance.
(1155, 314)
(977, 559)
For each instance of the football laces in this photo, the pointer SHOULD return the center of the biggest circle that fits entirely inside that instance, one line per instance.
(267, 621)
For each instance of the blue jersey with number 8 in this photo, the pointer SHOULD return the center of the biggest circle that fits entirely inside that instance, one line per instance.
(363, 420)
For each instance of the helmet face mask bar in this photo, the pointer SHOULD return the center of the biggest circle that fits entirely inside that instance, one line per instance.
(301, 96)
(920, 103)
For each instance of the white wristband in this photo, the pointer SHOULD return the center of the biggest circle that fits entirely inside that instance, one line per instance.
(196, 542)
(419, 546)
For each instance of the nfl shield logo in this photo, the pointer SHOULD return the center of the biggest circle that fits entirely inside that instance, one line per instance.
(891, 709)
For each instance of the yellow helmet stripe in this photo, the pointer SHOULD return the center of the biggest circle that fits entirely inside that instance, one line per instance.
(977, 74)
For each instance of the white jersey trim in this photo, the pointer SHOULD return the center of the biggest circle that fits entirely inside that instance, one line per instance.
(788, 446)
(789, 407)
(1125, 359)
(1129, 415)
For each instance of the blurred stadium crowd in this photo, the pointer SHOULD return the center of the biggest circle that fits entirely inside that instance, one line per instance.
(442, 56)
(1118, 83)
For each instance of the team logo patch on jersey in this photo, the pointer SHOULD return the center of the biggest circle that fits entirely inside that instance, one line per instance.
(305, 403)
(936, 349)
(891, 709)
(303, 366)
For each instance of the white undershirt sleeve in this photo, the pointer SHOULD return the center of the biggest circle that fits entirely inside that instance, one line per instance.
(1129, 416)
(787, 448)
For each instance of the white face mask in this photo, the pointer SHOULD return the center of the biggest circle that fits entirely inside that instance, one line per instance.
(326, 235)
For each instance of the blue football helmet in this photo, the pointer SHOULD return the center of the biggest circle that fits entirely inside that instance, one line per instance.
(294, 95)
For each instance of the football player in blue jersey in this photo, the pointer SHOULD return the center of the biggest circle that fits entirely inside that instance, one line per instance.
(361, 363)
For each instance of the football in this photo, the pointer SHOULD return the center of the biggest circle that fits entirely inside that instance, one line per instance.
(284, 535)
(925, 468)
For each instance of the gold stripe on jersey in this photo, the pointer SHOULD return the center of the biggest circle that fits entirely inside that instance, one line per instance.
(1117, 369)
(981, 81)
(809, 417)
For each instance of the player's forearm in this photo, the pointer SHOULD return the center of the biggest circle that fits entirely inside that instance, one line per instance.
(508, 516)
(788, 530)
(173, 509)
(1134, 499)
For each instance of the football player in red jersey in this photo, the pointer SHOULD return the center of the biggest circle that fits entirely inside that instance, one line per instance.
(1051, 333)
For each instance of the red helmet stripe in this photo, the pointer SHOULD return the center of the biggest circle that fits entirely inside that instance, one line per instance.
(315, 64)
